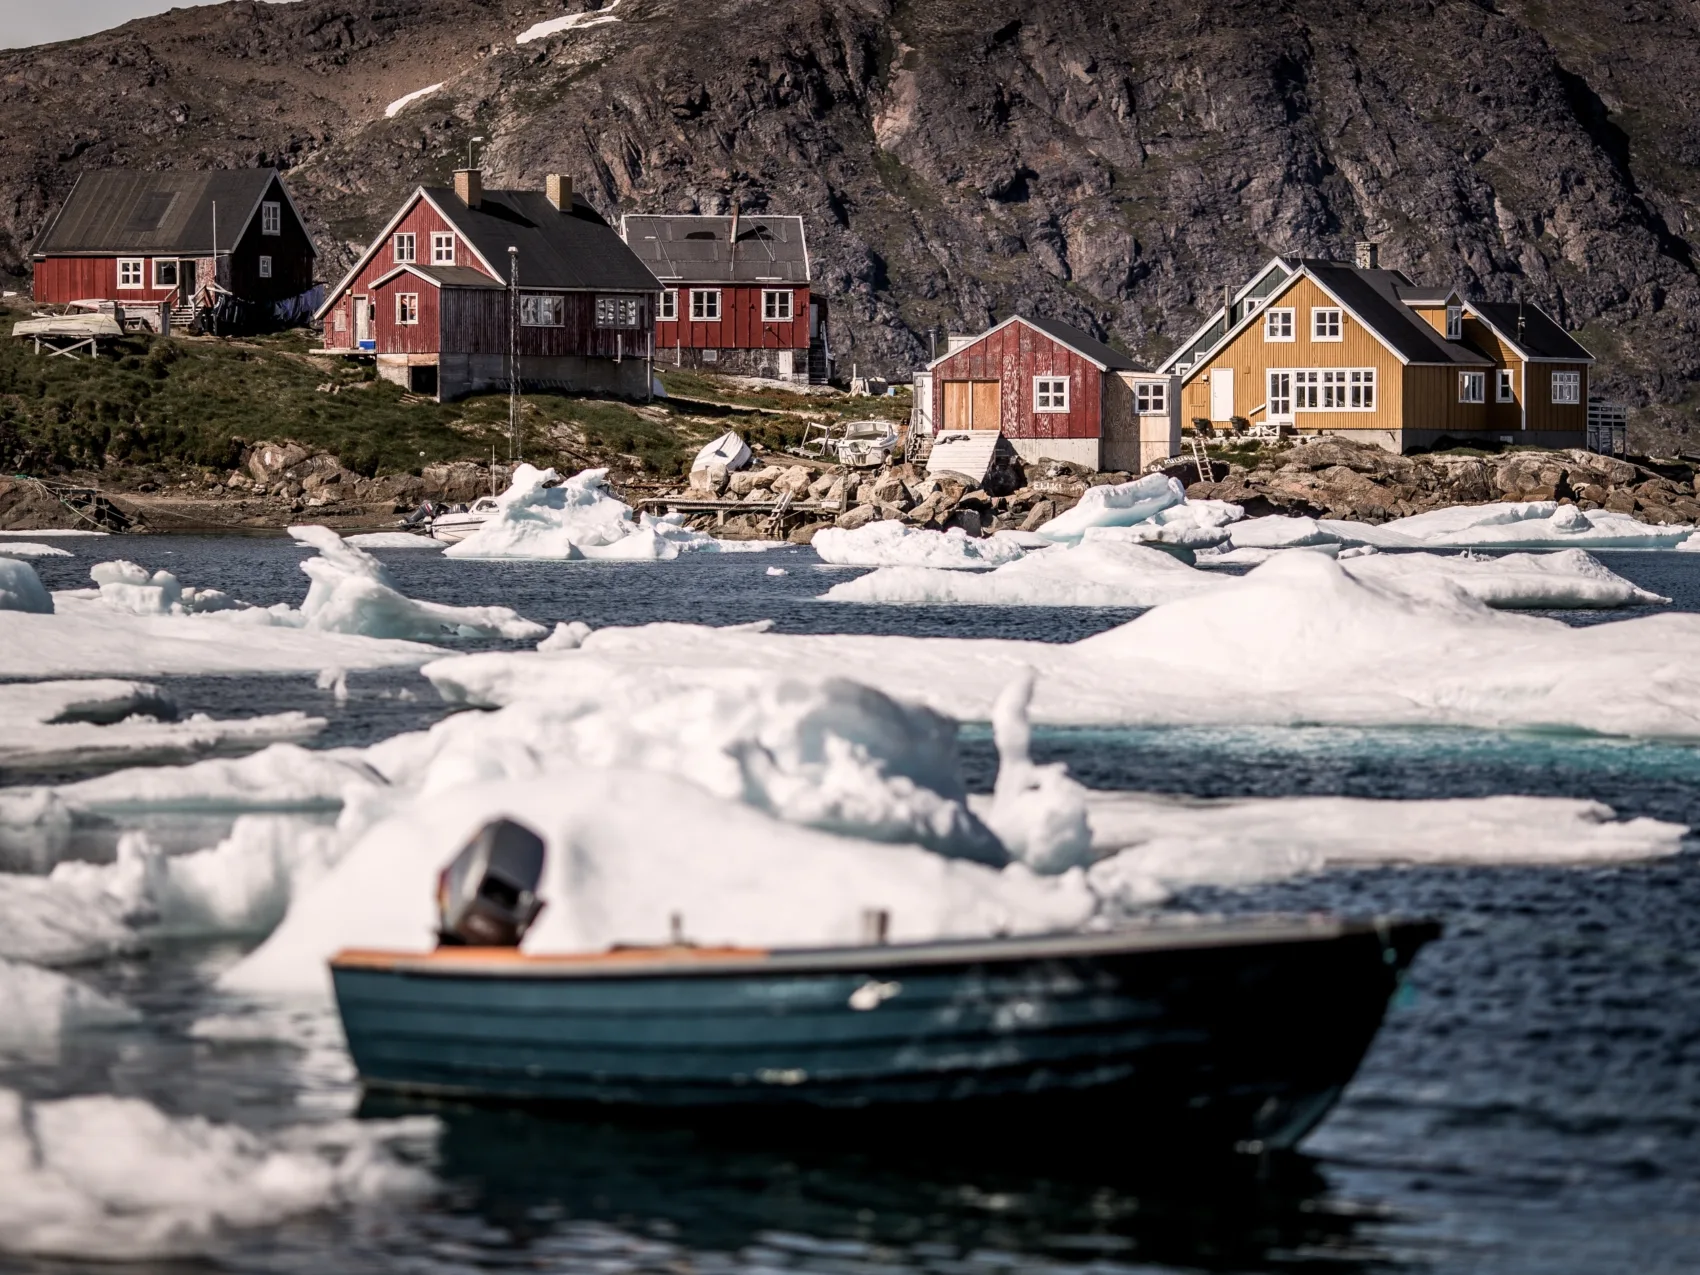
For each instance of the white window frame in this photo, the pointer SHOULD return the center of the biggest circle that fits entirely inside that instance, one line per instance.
(1573, 389)
(1278, 403)
(265, 267)
(1327, 323)
(1310, 389)
(542, 310)
(1454, 323)
(136, 268)
(442, 248)
(1360, 386)
(406, 247)
(1472, 387)
(271, 218)
(1050, 394)
(1505, 386)
(773, 300)
(618, 312)
(669, 310)
(1151, 398)
(176, 272)
(1278, 324)
(1307, 389)
(407, 309)
(700, 305)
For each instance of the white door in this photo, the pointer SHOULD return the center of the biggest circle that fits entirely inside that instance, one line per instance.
(362, 322)
(1280, 398)
(1221, 393)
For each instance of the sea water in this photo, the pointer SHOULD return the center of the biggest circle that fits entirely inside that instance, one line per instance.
(1532, 1104)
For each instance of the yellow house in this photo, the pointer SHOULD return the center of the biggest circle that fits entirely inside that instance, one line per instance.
(1326, 347)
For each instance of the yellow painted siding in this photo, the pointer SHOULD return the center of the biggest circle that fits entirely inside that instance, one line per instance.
(1251, 356)
(1431, 400)
(1433, 315)
(1501, 418)
(1544, 414)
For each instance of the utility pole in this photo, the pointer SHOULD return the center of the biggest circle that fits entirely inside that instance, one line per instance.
(469, 143)
(513, 355)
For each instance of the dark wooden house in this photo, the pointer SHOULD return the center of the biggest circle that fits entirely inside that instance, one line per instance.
(432, 299)
(1054, 393)
(188, 239)
(735, 294)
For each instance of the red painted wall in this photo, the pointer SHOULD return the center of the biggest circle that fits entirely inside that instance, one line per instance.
(1013, 356)
(741, 326)
(62, 279)
(411, 338)
(421, 220)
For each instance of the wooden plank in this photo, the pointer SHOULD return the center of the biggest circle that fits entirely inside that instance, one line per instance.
(986, 412)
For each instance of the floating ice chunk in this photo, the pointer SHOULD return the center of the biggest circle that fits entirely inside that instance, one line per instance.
(21, 589)
(29, 549)
(352, 592)
(1115, 505)
(1529, 524)
(393, 540)
(281, 777)
(889, 543)
(571, 22)
(97, 700)
(39, 1006)
(1038, 812)
(124, 586)
(1231, 557)
(110, 1179)
(568, 636)
(628, 850)
(88, 745)
(1278, 531)
(777, 571)
(401, 103)
(52, 532)
(1568, 578)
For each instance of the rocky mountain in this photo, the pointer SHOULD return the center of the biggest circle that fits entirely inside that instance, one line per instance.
(1111, 163)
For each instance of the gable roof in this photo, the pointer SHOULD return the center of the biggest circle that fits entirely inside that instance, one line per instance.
(450, 276)
(572, 251)
(1209, 334)
(1093, 351)
(116, 210)
(1410, 294)
(1537, 336)
(697, 249)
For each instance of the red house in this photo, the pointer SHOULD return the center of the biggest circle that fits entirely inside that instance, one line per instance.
(191, 240)
(736, 294)
(434, 302)
(1055, 394)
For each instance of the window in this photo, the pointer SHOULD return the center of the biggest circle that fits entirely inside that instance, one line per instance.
(616, 312)
(1151, 398)
(1278, 325)
(537, 311)
(442, 249)
(340, 321)
(265, 267)
(1050, 394)
(1507, 388)
(165, 272)
(1567, 387)
(1472, 387)
(1325, 324)
(271, 218)
(1362, 387)
(1305, 391)
(1280, 395)
(1334, 390)
(670, 304)
(407, 307)
(776, 305)
(1455, 326)
(130, 272)
(705, 304)
(406, 248)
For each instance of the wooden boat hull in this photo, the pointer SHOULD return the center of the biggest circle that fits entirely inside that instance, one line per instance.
(1242, 1033)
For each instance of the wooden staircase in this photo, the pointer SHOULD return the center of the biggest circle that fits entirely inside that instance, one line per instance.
(820, 370)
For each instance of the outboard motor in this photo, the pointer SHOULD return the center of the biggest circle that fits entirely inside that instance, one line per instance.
(487, 896)
(425, 513)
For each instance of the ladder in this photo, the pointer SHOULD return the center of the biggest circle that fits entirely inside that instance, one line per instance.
(1199, 458)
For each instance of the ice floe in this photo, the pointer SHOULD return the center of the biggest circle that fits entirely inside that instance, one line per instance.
(29, 549)
(39, 1006)
(1115, 505)
(1530, 524)
(392, 540)
(542, 516)
(889, 543)
(112, 1178)
(21, 589)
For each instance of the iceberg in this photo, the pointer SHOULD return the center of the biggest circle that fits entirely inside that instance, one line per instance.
(1116, 505)
(1529, 524)
(889, 543)
(21, 589)
(1567, 579)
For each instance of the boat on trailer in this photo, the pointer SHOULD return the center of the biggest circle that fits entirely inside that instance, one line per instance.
(1230, 1033)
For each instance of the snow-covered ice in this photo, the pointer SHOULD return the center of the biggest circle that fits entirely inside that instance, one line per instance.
(21, 589)
(52, 533)
(29, 549)
(406, 100)
(108, 1178)
(1562, 579)
(392, 540)
(890, 543)
(1115, 505)
(1531, 524)
(571, 22)
(124, 586)
(1037, 811)
(39, 1006)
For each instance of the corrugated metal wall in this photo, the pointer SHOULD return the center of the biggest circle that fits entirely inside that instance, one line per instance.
(741, 326)
(1013, 356)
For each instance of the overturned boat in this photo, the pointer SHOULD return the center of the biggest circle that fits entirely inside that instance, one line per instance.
(1227, 1032)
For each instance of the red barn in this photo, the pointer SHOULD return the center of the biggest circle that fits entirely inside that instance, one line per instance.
(1055, 394)
(188, 239)
(736, 294)
(431, 300)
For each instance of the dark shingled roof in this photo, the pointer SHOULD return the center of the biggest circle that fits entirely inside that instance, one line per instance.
(693, 249)
(1373, 295)
(572, 251)
(115, 210)
(1540, 338)
(1095, 350)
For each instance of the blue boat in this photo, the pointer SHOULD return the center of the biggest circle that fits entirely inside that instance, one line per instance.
(1228, 1032)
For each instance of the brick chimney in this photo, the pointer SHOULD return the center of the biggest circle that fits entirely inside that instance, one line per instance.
(1368, 255)
(559, 189)
(469, 185)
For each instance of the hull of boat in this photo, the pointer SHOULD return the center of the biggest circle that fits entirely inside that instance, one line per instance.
(1237, 1033)
(453, 531)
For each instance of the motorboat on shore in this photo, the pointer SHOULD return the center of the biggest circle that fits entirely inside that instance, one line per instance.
(451, 523)
(1238, 1032)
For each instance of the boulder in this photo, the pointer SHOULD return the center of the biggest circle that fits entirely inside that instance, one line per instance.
(742, 483)
(1039, 515)
(792, 478)
(851, 519)
(713, 478)
(967, 519)
(889, 489)
(930, 510)
(268, 460)
(805, 534)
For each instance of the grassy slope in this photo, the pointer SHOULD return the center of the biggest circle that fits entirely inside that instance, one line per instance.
(191, 403)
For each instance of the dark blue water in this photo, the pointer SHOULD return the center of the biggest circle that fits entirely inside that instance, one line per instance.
(1532, 1105)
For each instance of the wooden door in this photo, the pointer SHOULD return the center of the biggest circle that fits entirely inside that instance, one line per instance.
(986, 409)
(1221, 393)
(971, 405)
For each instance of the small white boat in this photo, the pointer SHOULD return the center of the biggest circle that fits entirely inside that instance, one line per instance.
(455, 523)
(728, 450)
(866, 444)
